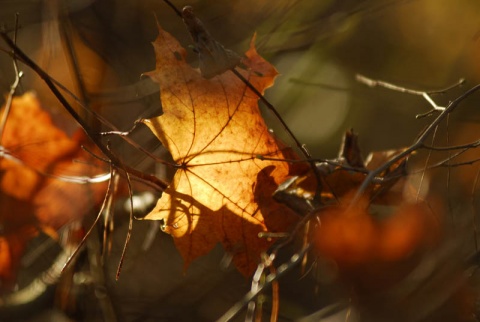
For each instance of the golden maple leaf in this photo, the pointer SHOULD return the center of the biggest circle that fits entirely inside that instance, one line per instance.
(214, 130)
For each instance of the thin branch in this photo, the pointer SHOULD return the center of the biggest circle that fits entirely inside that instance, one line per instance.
(449, 173)
(318, 161)
(251, 295)
(301, 147)
(458, 164)
(256, 284)
(425, 94)
(443, 163)
(4, 153)
(474, 212)
(99, 117)
(267, 262)
(104, 203)
(130, 226)
(422, 177)
(274, 111)
(13, 87)
(418, 143)
(88, 130)
(275, 296)
(108, 219)
(471, 145)
(171, 5)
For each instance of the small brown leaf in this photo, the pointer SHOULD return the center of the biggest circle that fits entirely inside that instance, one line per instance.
(346, 173)
(350, 150)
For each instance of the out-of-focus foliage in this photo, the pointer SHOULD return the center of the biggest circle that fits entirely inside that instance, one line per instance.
(98, 49)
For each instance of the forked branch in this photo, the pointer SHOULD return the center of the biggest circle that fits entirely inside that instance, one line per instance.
(420, 141)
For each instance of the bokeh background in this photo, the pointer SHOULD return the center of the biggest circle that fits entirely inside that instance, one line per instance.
(100, 48)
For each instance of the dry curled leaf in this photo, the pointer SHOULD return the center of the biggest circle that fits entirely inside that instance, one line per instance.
(214, 59)
(340, 176)
(213, 129)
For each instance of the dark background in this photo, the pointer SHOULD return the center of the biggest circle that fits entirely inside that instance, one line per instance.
(100, 48)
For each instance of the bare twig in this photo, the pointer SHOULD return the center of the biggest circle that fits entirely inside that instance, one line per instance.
(108, 219)
(107, 123)
(251, 295)
(174, 8)
(474, 212)
(272, 108)
(301, 147)
(447, 163)
(4, 153)
(418, 143)
(13, 87)
(471, 145)
(449, 173)
(275, 296)
(104, 203)
(130, 226)
(425, 94)
(256, 284)
(103, 120)
(422, 177)
(116, 162)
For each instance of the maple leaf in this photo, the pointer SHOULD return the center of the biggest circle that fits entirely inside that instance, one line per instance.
(36, 159)
(35, 156)
(213, 129)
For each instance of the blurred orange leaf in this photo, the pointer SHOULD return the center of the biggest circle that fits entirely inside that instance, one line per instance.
(213, 129)
(11, 250)
(36, 155)
(372, 252)
(43, 176)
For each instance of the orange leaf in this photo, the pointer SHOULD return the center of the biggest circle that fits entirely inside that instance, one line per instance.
(35, 154)
(374, 253)
(11, 250)
(347, 236)
(214, 131)
(410, 228)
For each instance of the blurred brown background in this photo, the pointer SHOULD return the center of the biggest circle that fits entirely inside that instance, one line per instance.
(99, 49)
